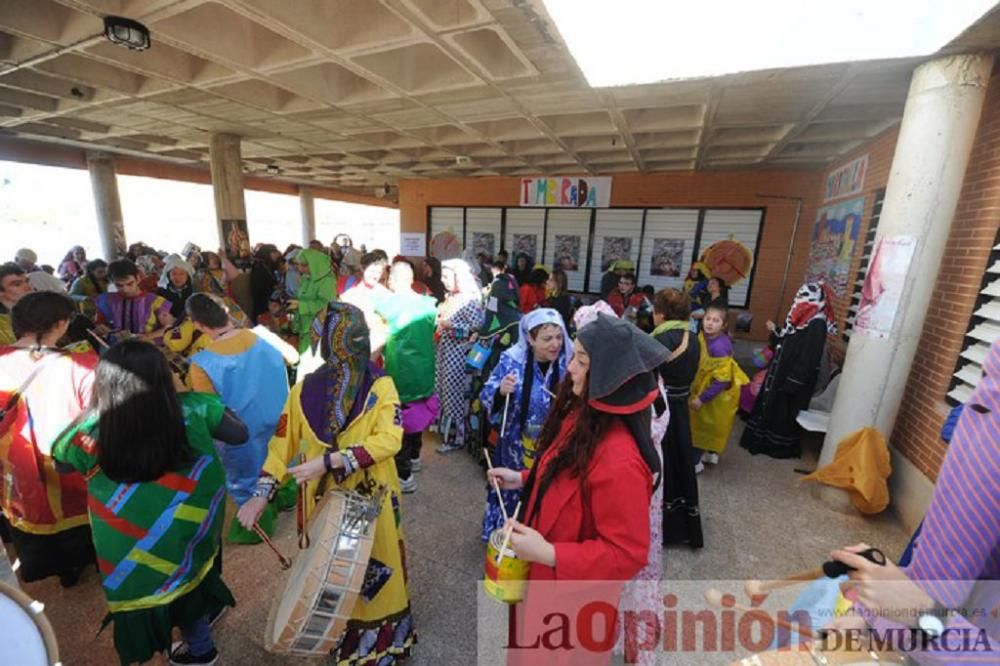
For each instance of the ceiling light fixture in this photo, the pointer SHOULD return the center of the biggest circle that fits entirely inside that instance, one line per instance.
(273, 169)
(126, 32)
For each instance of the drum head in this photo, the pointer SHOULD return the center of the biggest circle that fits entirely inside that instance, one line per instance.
(27, 636)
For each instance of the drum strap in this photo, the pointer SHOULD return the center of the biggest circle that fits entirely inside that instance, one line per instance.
(300, 512)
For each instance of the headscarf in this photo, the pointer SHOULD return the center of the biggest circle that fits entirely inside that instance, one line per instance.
(434, 281)
(319, 267)
(812, 301)
(334, 395)
(173, 261)
(176, 295)
(588, 313)
(26, 254)
(465, 281)
(522, 353)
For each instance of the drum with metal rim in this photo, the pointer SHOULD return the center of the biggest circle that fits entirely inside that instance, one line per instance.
(310, 616)
(25, 632)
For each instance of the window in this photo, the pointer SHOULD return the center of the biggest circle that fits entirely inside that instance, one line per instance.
(984, 329)
(866, 257)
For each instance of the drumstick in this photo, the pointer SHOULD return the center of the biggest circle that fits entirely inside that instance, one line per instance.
(507, 533)
(496, 486)
(714, 598)
(755, 588)
(503, 424)
(300, 511)
(285, 562)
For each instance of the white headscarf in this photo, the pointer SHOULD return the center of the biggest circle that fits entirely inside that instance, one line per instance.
(174, 261)
(539, 317)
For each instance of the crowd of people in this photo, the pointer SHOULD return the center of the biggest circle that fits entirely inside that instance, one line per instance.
(349, 357)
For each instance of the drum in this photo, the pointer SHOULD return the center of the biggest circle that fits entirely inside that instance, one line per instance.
(814, 655)
(507, 581)
(25, 632)
(322, 587)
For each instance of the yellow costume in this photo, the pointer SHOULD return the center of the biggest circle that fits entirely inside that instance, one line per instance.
(7, 336)
(370, 435)
(711, 425)
(184, 339)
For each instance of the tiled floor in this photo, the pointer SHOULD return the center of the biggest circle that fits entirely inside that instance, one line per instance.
(758, 523)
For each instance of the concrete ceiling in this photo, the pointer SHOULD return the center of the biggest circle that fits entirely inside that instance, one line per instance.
(352, 94)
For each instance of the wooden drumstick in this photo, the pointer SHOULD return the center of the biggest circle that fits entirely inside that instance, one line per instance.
(285, 562)
(758, 587)
(300, 511)
(503, 424)
(507, 533)
(496, 485)
(714, 598)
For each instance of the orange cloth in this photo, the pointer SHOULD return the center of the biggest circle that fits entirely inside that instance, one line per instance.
(861, 467)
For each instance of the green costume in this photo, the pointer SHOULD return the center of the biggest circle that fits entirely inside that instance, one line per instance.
(316, 290)
(157, 542)
(409, 351)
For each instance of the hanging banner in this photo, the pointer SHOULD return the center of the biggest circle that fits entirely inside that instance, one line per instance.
(566, 192)
(847, 180)
(883, 286)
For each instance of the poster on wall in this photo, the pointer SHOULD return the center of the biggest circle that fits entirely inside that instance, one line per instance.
(526, 244)
(566, 192)
(847, 180)
(567, 253)
(237, 240)
(883, 288)
(668, 257)
(834, 238)
(484, 243)
(446, 245)
(615, 248)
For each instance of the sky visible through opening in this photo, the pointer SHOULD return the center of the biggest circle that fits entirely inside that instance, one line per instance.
(50, 209)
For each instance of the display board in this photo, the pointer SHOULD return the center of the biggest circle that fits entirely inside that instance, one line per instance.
(668, 247)
(739, 225)
(617, 235)
(525, 232)
(567, 236)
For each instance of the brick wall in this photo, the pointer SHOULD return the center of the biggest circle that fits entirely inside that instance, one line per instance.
(716, 188)
(974, 228)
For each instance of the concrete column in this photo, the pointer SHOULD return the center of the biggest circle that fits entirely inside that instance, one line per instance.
(935, 139)
(227, 180)
(308, 206)
(110, 225)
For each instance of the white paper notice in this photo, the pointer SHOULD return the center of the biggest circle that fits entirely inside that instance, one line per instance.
(883, 288)
(412, 244)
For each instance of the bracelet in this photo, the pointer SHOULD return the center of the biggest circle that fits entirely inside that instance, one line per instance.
(267, 487)
(327, 462)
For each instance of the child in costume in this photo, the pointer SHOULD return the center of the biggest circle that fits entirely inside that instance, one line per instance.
(715, 393)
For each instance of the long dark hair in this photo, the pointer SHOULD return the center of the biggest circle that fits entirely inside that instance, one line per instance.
(591, 427)
(141, 430)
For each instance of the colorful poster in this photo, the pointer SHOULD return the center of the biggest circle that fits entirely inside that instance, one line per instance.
(835, 236)
(615, 248)
(484, 243)
(526, 244)
(446, 245)
(668, 257)
(567, 253)
(566, 192)
(237, 239)
(847, 180)
(883, 288)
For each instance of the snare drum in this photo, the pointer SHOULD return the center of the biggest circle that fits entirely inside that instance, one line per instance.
(310, 616)
(507, 581)
(25, 632)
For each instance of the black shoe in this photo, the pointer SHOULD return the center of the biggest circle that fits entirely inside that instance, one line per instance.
(180, 655)
(70, 578)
